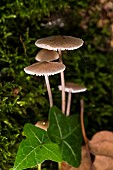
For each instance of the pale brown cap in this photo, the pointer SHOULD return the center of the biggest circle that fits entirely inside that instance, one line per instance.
(42, 124)
(59, 42)
(46, 55)
(45, 68)
(73, 88)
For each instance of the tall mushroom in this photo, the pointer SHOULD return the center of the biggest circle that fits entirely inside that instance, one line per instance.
(45, 69)
(58, 43)
(71, 88)
(46, 55)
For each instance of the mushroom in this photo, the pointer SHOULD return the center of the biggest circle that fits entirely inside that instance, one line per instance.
(42, 124)
(58, 43)
(71, 88)
(45, 69)
(46, 55)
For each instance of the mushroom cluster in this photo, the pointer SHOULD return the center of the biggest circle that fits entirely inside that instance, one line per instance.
(101, 145)
(51, 50)
(46, 66)
(60, 43)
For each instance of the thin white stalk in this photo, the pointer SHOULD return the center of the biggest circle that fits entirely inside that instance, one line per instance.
(49, 90)
(68, 103)
(62, 84)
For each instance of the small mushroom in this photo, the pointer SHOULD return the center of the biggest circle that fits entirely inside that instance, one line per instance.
(42, 124)
(58, 43)
(45, 69)
(72, 88)
(46, 55)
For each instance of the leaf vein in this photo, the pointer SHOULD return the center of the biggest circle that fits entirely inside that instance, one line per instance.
(71, 150)
(58, 125)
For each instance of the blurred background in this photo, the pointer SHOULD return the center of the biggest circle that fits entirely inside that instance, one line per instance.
(24, 98)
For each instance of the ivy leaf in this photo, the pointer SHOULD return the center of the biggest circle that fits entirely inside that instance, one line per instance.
(35, 149)
(66, 132)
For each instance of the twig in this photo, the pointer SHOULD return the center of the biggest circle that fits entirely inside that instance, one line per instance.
(83, 131)
(24, 47)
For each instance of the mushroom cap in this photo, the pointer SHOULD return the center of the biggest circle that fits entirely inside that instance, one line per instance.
(59, 42)
(46, 55)
(42, 124)
(73, 88)
(45, 68)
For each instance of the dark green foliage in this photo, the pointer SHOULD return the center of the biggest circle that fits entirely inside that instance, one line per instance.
(67, 134)
(61, 142)
(36, 148)
(24, 98)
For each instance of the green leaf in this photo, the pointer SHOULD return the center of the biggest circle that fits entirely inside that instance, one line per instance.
(35, 149)
(66, 131)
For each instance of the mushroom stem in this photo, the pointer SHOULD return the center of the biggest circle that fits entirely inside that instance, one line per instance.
(63, 84)
(83, 131)
(68, 104)
(60, 56)
(49, 90)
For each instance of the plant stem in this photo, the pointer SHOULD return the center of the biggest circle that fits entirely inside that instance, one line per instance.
(68, 104)
(59, 165)
(39, 166)
(83, 131)
(62, 84)
(82, 121)
(49, 90)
